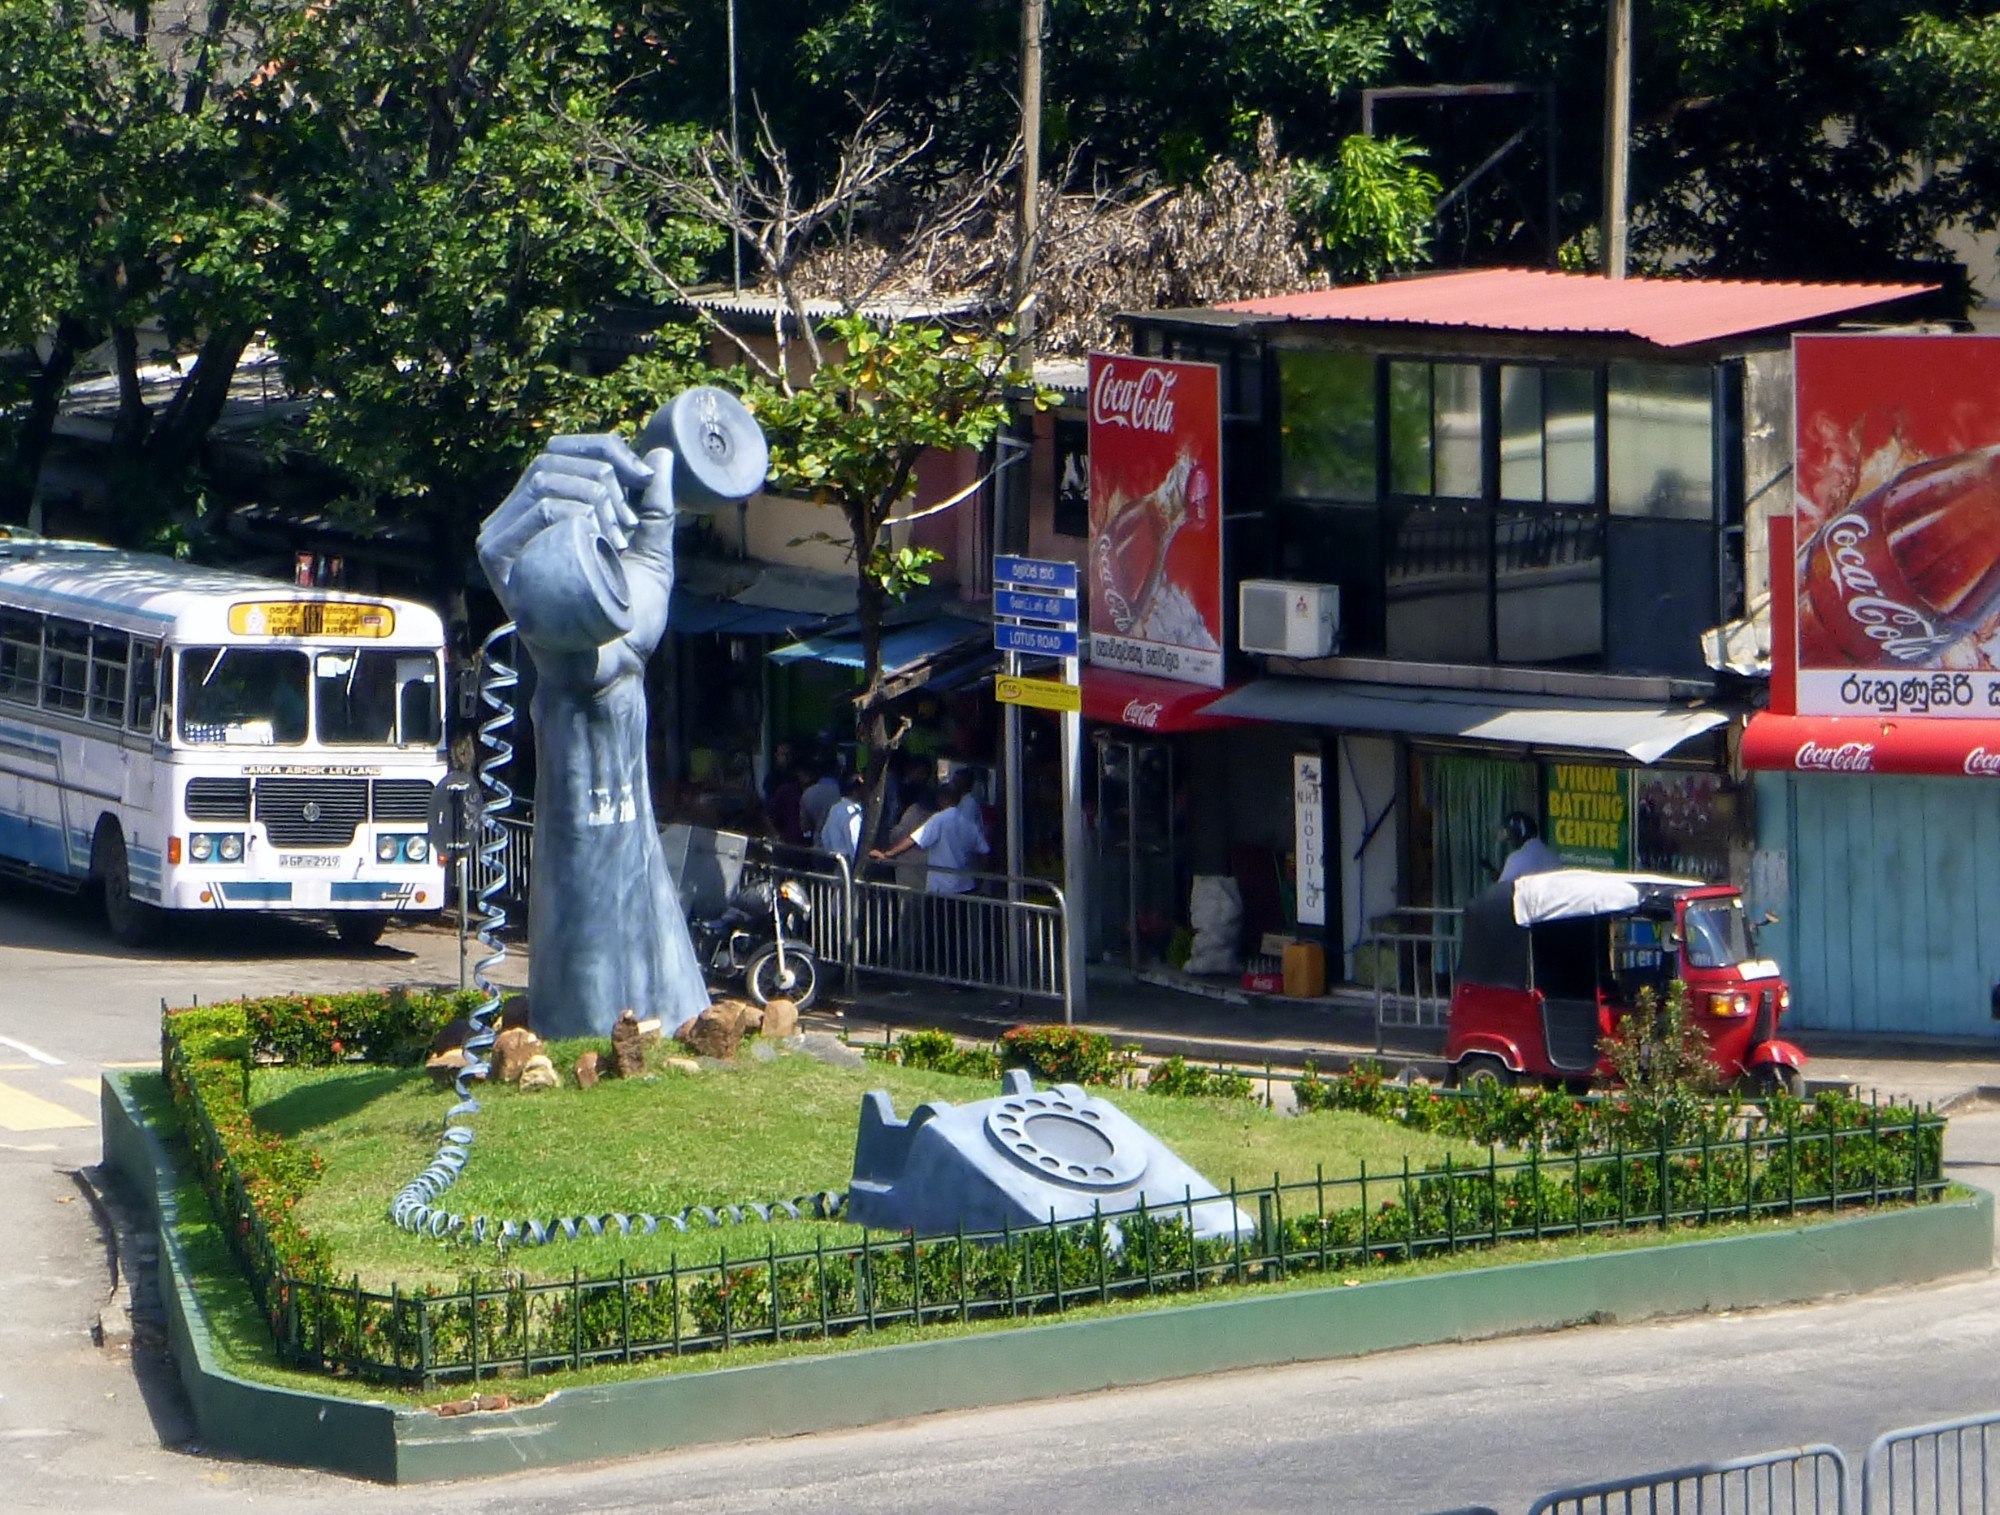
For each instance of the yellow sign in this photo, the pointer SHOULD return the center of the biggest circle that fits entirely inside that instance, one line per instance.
(1043, 694)
(310, 618)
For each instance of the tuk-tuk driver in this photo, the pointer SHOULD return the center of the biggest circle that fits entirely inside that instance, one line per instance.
(1530, 853)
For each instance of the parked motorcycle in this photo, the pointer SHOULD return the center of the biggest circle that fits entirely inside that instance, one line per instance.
(760, 941)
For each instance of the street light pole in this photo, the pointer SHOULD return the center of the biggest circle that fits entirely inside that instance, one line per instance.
(1028, 213)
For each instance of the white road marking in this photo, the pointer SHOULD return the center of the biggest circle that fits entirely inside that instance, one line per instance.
(27, 1147)
(35, 1052)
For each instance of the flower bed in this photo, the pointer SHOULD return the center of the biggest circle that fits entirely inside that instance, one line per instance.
(1574, 1175)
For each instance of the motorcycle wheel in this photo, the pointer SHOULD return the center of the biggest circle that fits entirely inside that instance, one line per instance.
(761, 977)
(1777, 1078)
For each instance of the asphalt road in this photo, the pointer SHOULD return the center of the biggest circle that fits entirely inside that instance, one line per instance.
(83, 1429)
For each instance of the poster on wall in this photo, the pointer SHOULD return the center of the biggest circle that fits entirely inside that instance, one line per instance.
(1897, 479)
(1155, 555)
(1588, 810)
(1309, 838)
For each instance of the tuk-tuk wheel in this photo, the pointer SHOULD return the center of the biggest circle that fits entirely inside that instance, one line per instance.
(1481, 1070)
(1773, 1078)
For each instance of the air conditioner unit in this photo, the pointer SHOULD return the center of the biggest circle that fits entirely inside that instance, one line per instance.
(1288, 620)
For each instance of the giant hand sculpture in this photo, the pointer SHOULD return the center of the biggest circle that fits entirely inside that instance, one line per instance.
(581, 554)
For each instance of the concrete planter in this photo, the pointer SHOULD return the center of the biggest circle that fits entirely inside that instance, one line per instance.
(862, 1386)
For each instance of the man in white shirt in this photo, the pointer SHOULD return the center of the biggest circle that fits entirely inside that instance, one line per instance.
(1531, 854)
(841, 831)
(968, 805)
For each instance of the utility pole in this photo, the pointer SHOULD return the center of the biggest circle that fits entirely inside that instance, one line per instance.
(1617, 131)
(736, 162)
(1028, 213)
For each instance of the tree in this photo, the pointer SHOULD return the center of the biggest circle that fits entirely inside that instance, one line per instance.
(879, 398)
(447, 247)
(126, 215)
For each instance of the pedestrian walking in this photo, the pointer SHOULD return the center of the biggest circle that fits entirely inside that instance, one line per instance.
(841, 832)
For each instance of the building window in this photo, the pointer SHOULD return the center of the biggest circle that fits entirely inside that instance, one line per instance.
(1434, 429)
(1326, 424)
(1072, 460)
(1548, 435)
(110, 651)
(1661, 442)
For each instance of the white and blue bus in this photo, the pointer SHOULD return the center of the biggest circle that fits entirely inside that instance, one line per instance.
(181, 738)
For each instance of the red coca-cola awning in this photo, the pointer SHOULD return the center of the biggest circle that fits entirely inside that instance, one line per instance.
(1132, 699)
(1871, 744)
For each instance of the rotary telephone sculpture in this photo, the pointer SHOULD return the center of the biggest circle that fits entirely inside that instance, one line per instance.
(581, 554)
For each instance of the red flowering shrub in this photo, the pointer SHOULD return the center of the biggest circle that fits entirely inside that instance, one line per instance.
(392, 1026)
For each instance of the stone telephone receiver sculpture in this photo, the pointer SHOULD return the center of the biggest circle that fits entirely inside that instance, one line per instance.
(581, 554)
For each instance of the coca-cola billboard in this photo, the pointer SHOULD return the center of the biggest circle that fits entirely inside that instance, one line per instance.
(1897, 480)
(1155, 560)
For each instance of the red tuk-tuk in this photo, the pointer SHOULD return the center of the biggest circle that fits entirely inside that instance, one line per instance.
(1550, 962)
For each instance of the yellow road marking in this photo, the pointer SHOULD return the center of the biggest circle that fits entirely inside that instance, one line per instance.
(16, 1067)
(151, 1062)
(87, 1085)
(22, 1111)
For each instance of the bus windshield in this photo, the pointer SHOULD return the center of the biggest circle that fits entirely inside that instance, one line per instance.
(243, 696)
(368, 698)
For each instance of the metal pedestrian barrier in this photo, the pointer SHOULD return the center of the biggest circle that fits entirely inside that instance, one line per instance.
(1001, 933)
(1797, 1481)
(1413, 953)
(1942, 1469)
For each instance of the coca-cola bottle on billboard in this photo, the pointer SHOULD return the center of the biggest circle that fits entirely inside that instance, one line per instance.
(1130, 554)
(1906, 570)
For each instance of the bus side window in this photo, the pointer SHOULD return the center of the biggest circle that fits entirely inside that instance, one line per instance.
(110, 657)
(144, 702)
(66, 667)
(20, 656)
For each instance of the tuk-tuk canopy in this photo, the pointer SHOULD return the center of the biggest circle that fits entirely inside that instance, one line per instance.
(1565, 893)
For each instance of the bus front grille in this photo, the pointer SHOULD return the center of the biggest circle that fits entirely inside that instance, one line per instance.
(403, 799)
(218, 799)
(312, 812)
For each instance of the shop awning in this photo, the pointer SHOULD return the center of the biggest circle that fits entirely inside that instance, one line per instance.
(1871, 744)
(1644, 733)
(1133, 699)
(903, 647)
(697, 614)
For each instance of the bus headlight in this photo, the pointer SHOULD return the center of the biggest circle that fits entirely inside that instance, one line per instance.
(386, 850)
(230, 848)
(201, 847)
(417, 849)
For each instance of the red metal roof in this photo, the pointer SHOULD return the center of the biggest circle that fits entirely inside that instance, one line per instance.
(1667, 312)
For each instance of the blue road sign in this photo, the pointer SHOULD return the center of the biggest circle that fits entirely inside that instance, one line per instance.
(1036, 641)
(1060, 608)
(1034, 573)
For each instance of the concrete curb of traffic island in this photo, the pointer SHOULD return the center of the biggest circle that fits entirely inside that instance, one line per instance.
(865, 1386)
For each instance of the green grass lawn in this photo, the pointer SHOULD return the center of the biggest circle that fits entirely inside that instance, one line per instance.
(755, 1131)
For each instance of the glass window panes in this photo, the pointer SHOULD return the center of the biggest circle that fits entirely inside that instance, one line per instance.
(1548, 585)
(243, 696)
(1438, 579)
(1548, 435)
(139, 709)
(66, 667)
(1569, 436)
(109, 653)
(1410, 428)
(1455, 429)
(1520, 433)
(1327, 425)
(20, 656)
(1660, 441)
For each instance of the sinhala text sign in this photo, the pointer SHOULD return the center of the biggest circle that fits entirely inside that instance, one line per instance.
(1155, 561)
(1898, 525)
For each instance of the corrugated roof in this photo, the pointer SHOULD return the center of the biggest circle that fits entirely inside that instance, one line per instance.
(1667, 312)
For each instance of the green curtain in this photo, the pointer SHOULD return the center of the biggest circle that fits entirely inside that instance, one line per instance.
(1470, 798)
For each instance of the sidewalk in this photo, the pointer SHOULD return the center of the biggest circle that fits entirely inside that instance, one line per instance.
(1250, 1030)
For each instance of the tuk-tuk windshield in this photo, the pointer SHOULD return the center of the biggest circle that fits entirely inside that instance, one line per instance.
(1717, 935)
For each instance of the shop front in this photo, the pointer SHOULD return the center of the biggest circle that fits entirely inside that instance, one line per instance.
(1878, 826)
